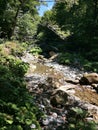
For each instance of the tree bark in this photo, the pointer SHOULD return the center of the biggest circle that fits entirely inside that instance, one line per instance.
(14, 23)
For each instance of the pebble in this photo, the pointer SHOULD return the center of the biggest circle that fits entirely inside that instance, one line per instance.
(33, 126)
(42, 106)
(51, 119)
(45, 121)
(60, 121)
(54, 115)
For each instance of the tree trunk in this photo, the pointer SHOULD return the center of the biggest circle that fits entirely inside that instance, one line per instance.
(14, 23)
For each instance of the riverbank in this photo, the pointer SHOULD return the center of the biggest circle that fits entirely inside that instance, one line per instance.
(57, 91)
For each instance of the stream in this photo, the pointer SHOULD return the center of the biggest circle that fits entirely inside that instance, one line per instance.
(44, 77)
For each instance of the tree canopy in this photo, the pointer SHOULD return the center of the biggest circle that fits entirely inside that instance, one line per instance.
(11, 12)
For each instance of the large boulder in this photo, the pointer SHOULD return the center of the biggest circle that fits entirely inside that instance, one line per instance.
(89, 78)
(59, 98)
(60, 95)
(66, 96)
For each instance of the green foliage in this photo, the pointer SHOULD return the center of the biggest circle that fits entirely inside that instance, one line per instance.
(17, 66)
(40, 36)
(48, 15)
(92, 55)
(1, 40)
(76, 60)
(11, 12)
(72, 59)
(78, 20)
(17, 109)
(35, 50)
(25, 45)
(91, 66)
(27, 27)
(65, 58)
(12, 48)
(77, 120)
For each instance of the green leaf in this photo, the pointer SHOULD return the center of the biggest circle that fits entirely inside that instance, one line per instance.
(28, 121)
(72, 125)
(78, 110)
(9, 121)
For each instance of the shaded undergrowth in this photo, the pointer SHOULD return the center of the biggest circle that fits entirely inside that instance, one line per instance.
(17, 108)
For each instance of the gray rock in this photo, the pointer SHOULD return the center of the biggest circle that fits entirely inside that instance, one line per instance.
(33, 126)
(54, 115)
(45, 121)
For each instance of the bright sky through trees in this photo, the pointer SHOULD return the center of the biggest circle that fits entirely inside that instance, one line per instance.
(44, 8)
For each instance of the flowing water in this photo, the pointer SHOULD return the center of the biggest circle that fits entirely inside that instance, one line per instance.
(37, 76)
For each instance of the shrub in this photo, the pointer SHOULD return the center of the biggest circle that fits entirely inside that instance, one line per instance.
(77, 120)
(35, 50)
(17, 108)
(11, 48)
(92, 55)
(65, 58)
(76, 60)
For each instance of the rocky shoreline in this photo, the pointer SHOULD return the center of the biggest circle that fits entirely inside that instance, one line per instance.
(56, 91)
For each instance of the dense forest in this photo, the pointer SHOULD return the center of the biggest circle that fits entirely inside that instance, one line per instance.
(70, 29)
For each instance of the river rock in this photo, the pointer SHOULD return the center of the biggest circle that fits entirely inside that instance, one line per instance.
(89, 78)
(95, 86)
(53, 55)
(60, 95)
(92, 110)
(72, 81)
(58, 90)
(59, 98)
(45, 121)
(54, 115)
